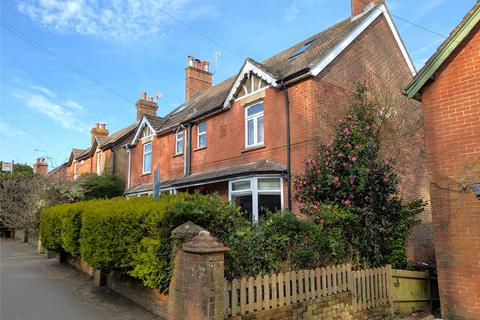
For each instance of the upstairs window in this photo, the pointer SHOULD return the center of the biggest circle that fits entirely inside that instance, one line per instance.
(99, 163)
(202, 135)
(179, 142)
(147, 158)
(254, 135)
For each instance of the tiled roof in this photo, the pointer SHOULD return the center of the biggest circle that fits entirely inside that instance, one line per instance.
(79, 152)
(260, 167)
(118, 135)
(156, 122)
(58, 168)
(281, 65)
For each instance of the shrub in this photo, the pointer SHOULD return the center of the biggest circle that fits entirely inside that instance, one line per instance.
(104, 186)
(71, 225)
(279, 243)
(111, 231)
(51, 227)
(153, 259)
(349, 174)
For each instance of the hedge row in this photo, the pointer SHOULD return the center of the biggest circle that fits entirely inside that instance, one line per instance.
(133, 236)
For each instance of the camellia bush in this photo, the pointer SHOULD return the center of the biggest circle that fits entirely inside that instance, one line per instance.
(353, 193)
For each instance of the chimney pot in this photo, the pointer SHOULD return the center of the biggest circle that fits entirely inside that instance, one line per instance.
(197, 77)
(103, 125)
(143, 96)
(97, 125)
(150, 99)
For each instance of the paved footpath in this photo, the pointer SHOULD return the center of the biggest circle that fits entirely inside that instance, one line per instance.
(35, 288)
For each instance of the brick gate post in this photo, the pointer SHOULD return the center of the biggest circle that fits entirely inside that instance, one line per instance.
(197, 286)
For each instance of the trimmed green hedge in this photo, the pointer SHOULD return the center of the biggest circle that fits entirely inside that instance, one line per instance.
(133, 236)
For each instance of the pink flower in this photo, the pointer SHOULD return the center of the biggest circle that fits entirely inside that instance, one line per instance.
(386, 162)
(346, 131)
(341, 155)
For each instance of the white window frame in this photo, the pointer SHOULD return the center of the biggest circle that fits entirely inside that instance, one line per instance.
(177, 140)
(204, 133)
(150, 153)
(255, 192)
(255, 118)
(99, 162)
(75, 174)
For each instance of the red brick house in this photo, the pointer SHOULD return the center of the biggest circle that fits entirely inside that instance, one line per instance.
(449, 88)
(106, 152)
(247, 136)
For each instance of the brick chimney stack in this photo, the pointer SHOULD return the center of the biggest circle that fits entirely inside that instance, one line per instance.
(40, 167)
(358, 6)
(198, 78)
(100, 130)
(146, 106)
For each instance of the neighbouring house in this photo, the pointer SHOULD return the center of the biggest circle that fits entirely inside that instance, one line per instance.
(246, 137)
(105, 154)
(40, 167)
(448, 87)
(59, 172)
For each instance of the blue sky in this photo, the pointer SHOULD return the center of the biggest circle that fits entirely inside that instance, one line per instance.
(120, 48)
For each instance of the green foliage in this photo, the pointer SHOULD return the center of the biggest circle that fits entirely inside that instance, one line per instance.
(51, 227)
(348, 174)
(153, 263)
(71, 225)
(19, 170)
(104, 186)
(112, 229)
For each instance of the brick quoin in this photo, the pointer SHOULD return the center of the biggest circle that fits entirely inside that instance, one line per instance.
(315, 105)
(451, 105)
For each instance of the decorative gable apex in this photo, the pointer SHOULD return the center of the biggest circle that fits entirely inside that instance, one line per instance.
(144, 129)
(251, 79)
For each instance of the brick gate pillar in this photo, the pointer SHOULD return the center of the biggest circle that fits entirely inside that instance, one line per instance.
(197, 286)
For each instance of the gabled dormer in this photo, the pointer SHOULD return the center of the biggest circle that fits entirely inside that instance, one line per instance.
(252, 78)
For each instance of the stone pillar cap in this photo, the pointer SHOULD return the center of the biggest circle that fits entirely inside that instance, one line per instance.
(186, 231)
(204, 242)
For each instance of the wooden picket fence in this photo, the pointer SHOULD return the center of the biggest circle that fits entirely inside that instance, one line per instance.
(371, 288)
(249, 295)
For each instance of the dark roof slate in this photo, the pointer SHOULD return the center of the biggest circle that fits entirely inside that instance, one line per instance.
(119, 135)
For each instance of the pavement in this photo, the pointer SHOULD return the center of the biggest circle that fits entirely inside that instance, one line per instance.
(33, 287)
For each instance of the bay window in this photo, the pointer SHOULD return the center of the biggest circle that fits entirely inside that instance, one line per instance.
(147, 158)
(254, 134)
(256, 196)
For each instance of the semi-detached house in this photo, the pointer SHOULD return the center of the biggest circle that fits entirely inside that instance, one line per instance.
(246, 137)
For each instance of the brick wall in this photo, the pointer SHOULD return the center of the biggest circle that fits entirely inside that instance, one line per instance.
(451, 105)
(328, 308)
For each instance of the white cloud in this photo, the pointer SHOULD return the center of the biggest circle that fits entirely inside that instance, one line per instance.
(9, 130)
(62, 112)
(123, 20)
(291, 11)
(44, 90)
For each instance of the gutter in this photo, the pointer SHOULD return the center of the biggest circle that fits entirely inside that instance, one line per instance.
(289, 160)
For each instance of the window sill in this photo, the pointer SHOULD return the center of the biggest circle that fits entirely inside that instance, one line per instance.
(198, 149)
(146, 174)
(253, 148)
(177, 155)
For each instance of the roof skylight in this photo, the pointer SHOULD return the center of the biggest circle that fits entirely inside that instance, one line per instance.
(300, 50)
